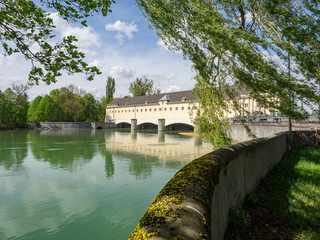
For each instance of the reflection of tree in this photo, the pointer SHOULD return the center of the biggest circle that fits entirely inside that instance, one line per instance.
(141, 167)
(109, 165)
(13, 149)
(64, 149)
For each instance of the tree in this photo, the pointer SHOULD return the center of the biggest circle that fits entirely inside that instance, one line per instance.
(72, 103)
(90, 108)
(246, 44)
(46, 108)
(102, 109)
(110, 88)
(33, 113)
(28, 29)
(4, 110)
(143, 86)
(14, 107)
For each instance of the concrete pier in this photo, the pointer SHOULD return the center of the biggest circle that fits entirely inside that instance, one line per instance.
(133, 124)
(161, 124)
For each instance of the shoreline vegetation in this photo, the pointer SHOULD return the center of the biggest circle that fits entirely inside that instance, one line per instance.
(286, 204)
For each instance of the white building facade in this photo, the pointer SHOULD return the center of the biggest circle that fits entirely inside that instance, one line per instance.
(167, 109)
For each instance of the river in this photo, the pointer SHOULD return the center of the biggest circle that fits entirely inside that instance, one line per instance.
(84, 184)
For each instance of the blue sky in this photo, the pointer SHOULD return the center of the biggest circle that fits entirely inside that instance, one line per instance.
(121, 45)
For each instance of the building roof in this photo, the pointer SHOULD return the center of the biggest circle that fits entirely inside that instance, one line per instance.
(172, 97)
(183, 96)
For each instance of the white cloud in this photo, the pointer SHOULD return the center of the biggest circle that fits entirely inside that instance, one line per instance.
(98, 63)
(161, 44)
(87, 37)
(119, 72)
(123, 29)
(173, 88)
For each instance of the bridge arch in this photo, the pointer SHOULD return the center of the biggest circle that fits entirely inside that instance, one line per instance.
(156, 124)
(179, 127)
(147, 125)
(123, 125)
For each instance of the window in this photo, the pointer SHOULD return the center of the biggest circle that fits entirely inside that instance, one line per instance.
(150, 109)
(165, 109)
(155, 109)
(182, 108)
(176, 108)
(129, 110)
(195, 107)
(246, 105)
(258, 105)
(146, 110)
(159, 109)
(171, 109)
(188, 108)
(121, 110)
(141, 110)
(132, 110)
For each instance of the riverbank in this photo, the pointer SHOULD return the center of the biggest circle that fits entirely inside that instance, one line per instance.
(191, 134)
(286, 205)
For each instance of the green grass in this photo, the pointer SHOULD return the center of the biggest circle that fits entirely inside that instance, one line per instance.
(287, 203)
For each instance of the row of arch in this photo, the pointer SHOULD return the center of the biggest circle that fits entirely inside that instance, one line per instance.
(152, 126)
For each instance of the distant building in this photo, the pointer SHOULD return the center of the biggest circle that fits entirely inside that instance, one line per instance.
(170, 108)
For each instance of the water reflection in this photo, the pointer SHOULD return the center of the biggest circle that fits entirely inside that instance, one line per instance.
(164, 146)
(13, 150)
(146, 151)
(109, 165)
(84, 184)
(67, 150)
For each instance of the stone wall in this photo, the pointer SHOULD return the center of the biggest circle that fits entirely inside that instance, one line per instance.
(77, 125)
(195, 203)
(239, 133)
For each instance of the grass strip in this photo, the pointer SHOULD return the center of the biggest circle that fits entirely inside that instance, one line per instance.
(286, 204)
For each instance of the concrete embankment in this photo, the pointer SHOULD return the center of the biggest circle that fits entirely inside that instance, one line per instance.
(239, 133)
(77, 125)
(195, 203)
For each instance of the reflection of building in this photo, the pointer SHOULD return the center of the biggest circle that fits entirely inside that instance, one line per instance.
(167, 109)
(166, 147)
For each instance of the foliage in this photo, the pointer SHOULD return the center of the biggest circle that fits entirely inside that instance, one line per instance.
(143, 86)
(110, 88)
(28, 29)
(239, 218)
(245, 44)
(90, 108)
(66, 104)
(33, 110)
(286, 204)
(46, 108)
(71, 103)
(14, 106)
(102, 109)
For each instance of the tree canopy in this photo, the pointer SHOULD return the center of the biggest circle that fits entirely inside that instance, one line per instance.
(143, 86)
(27, 28)
(110, 89)
(66, 104)
(249, 44)
(14, 107)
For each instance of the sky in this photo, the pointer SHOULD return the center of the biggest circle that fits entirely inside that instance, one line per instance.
(121, 45)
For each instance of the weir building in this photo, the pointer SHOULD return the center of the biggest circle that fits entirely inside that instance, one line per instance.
(168, 111)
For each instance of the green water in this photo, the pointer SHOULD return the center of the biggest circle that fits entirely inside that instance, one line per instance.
(88, 184)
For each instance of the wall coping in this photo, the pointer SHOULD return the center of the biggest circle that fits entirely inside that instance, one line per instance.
(182, 209)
